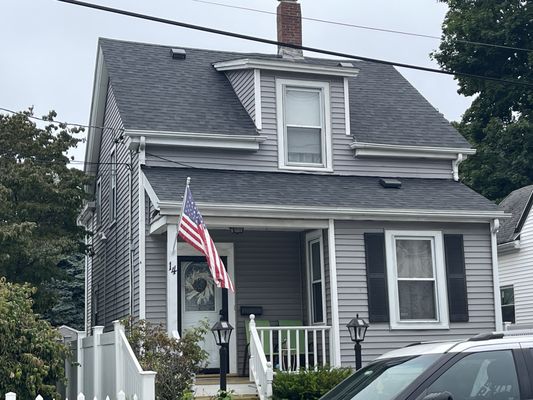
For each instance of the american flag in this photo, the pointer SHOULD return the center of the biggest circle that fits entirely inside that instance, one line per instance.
(192, 229)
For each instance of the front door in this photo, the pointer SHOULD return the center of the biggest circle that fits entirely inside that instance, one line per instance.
(201, 300)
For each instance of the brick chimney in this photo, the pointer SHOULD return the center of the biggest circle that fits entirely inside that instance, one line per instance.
(289, 28)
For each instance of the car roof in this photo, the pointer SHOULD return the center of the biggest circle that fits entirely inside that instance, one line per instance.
(486, 341)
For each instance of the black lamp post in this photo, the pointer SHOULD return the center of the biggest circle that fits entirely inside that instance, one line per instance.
(357, 327)
(222, 332)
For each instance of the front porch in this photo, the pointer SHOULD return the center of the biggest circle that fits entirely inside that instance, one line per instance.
(281, 274)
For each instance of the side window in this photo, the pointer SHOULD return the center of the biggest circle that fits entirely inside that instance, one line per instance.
(508, 312)
(489, 375)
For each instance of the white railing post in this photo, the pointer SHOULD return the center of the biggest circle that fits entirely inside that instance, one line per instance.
(251, 327)
(98, 368)
(81, 362)
(81, 396)
(119, 363)
(148, 386)
(269, 375)
(11, 396)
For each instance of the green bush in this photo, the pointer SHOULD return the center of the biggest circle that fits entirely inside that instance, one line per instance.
(307, 385)
(175, 361)
(32, 357)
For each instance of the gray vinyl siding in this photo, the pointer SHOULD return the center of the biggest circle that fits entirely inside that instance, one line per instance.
(516, 269)
(135, 232)
(155, 274)
(110, 264)
(266, 159)
(244, 86)
(352, 288)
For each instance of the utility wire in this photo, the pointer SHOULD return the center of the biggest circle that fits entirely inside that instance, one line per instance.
(290, 45)
(59, 122)
(169, 160)
(370, 28)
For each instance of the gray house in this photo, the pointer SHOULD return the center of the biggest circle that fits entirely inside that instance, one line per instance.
(515, 252)
(330, 188)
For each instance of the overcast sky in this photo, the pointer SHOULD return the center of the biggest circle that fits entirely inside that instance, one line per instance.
(48, 48)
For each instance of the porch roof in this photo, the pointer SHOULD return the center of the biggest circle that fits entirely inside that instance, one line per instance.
(311, 190)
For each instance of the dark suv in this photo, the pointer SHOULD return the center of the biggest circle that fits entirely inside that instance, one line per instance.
(493, 366)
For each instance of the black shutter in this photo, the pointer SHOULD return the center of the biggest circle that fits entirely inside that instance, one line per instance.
(376, 277)
(456, 277)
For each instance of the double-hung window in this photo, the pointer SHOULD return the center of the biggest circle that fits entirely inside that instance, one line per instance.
(113, 186)
(507, 296)
(303, 125)
(416, 280)
(315, 271)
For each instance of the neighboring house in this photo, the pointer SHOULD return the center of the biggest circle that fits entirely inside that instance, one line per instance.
(515, 257)
(329, 186)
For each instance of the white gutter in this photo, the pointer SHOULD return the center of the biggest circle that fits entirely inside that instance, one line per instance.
(290, 211)
(403, 151)
(509, 247)
(188, 139)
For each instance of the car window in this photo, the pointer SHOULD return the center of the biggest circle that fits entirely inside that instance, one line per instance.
(489, 375)
(383, 379)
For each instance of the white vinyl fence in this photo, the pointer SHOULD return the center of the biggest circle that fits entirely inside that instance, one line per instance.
(104, 366)
(81, 396)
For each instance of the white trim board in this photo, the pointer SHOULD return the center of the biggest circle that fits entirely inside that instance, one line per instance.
(347, 122)
(257, 99)
(250, 63)
(363, 149)
(314, 213)
(224, 250)
(191, 139)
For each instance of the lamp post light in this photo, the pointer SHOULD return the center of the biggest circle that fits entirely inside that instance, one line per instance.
(222, 333)
(357, 328)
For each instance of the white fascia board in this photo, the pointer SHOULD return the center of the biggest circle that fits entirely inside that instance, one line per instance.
(250, 63)
(508, 247)
(96, 118)
(205, 140)
(363, 149)
(305, 212)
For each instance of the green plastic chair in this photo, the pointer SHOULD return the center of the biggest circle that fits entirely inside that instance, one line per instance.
(266, 339)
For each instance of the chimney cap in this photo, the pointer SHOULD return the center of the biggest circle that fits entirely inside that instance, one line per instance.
(288, 1)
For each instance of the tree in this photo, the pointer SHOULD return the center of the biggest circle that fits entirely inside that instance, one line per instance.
(69, 293)
(499, 123)
(32, 357)
(40, 197)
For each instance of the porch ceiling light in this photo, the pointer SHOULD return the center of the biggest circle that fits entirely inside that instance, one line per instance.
(357, 328)
(236, 230)
(222, 332)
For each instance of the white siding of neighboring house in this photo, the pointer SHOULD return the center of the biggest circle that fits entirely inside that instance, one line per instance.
(517, 269)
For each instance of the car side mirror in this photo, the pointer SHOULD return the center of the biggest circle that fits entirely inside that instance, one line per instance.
(438, 396)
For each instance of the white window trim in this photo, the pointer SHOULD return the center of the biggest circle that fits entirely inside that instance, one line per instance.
(327, 145)
(442, 321)
(310, 237)
(113, 196)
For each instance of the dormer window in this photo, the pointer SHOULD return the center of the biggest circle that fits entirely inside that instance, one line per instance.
(303, 125)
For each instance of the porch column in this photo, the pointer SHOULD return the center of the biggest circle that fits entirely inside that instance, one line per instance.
(172, 279)
(335, 339)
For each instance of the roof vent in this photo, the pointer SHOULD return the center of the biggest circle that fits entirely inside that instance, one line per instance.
(346, 64)
(390, 183)
(178, 54)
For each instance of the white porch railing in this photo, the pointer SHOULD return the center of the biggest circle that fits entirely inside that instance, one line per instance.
(107, 367)
(260, 369)
(285, 348)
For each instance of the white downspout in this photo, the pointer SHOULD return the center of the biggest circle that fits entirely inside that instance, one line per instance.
(494, 228)
(455, 166)
(142, 233)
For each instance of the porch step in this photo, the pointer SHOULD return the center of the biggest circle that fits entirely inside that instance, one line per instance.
(206, 386)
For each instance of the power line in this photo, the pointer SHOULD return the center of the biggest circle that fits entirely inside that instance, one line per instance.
(370, 28)
(59, 122)
(169, 160)
(290, 45)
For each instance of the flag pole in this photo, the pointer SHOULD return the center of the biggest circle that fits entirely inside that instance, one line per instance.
(181, 213)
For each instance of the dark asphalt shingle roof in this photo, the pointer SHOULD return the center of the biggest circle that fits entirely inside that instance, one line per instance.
(278, 188)
(516, 203)
(155, 92)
